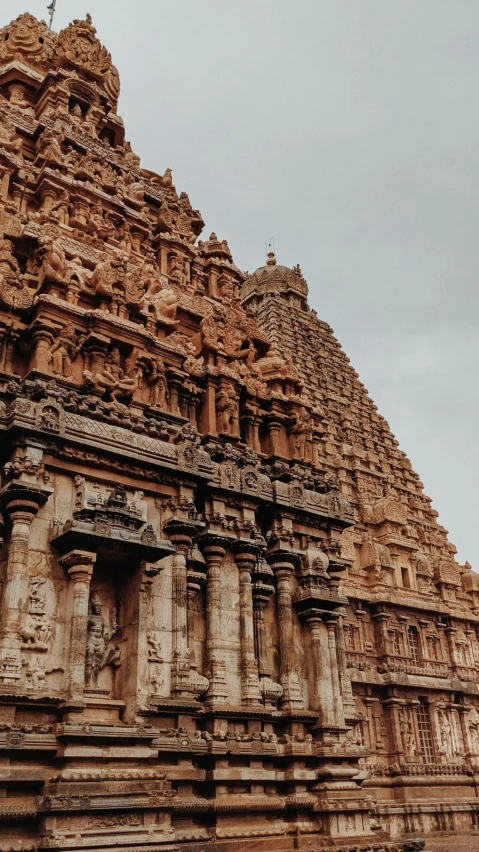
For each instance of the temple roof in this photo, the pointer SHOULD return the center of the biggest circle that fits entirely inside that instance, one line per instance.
(30, 42)
(274, 278)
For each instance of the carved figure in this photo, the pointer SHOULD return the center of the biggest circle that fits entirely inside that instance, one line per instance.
(156, 679)
(37, 595)
(54, 264)
(98, 223)
(408, 737)
(60, 209)
(153, 638)
(227, 410)
(300, 432)
(213, 329)
(158, 384)
(64, 350)
(177, 271)
(161, 298)
(35, 675)
(98, 637)
(113, 378)
(112, 279)
(9, 140)
(14, 293)
(49, 147)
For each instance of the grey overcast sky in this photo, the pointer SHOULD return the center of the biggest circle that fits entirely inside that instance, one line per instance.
(348, 131)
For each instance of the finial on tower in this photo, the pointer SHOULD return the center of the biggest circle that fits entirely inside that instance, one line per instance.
(52, 8)
(271, 257)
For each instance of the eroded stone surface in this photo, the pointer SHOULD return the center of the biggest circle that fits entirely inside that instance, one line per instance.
(228, 612)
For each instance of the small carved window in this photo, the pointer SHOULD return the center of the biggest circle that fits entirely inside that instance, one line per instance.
(414, 648)
(425, 731)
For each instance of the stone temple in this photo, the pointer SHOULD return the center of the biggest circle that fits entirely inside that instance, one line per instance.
(228, 613)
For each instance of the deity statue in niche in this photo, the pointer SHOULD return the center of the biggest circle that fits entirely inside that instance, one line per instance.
(99, 635)
(120, 383)
(301, 433)
(60, 209)
(158, 385)
(158, 296)
(227, 411)
(64, 350)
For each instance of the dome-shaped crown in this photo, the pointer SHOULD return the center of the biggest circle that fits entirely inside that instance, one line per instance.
(274, 279)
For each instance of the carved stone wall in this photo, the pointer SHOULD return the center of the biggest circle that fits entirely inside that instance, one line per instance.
(227, 610)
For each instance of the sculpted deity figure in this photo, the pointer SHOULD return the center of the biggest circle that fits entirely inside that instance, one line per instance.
(227, 411)
(130, 156)
(226, 288)
(153, 638)
(76, 115)
(98, 637)
(112, 378)
(109, 277)
(14, 293)
(18, 99)
(9, 140)
(49, 146)
(124, 238)
(159, 296)
(64, 350)
(156, 680)
(97, 221)
(132, 189)
(158, 384)
(408, 738)
(300, 432)
(61, 208)
(177, 271)
(54, 263)
(213, 329)
(35, 675)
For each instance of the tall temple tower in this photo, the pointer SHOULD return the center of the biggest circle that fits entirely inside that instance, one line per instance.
(228, 613)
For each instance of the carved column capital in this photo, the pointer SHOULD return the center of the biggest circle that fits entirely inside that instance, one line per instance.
(78, 564)
(24, 498)
(181, 532)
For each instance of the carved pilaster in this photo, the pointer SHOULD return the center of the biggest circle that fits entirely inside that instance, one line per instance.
(283, 565)
(334, 669)
(21, 501)
(185, 680)
(346, 688)
(214, 551)
(250, 688)
(79, 566)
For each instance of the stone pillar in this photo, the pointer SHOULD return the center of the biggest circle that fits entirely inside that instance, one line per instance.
(466, 736)
(214, 551)
(381, 620)
(451, 634)
(250, 691)
(333, 660)
(21, 502)
(292, 691)
(43, 339)
(261, 596)
(184, 679)
(320, 651)
(393, 707)
(346, 688)
(181, 668)
(79, 565)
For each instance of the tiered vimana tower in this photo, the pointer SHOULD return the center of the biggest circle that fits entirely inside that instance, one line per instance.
(228, 613)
